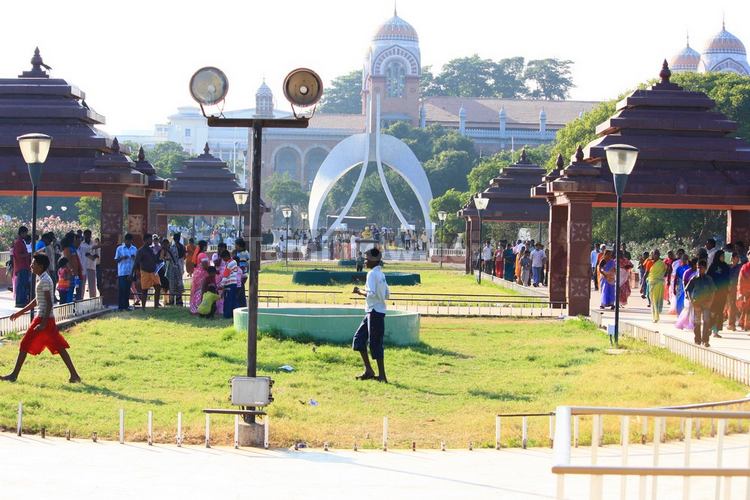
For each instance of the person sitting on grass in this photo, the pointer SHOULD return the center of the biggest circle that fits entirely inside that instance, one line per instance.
(207, 307)
(42, 332)
(372, 329)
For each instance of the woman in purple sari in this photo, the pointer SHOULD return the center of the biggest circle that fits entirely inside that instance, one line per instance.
(607, 270)
(679, 284)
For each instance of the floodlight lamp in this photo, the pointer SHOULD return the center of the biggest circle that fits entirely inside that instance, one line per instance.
(48, 207)
(240, 197)
(621, 158)
(442, 215)
(34, 147)
(303, 88)
(303, 215)
(64, 208)
(481, 203)
(209, 86)
(287, 212)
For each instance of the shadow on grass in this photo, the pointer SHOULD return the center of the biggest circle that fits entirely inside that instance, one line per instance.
(423, 348)
(96, 390)
(420, 390)
(500, 396)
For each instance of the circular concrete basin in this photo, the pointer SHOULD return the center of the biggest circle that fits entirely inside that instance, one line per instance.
(329, 324)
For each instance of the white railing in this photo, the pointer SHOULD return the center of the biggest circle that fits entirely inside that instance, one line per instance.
(661, 464)
(447, 252)
(62, 312)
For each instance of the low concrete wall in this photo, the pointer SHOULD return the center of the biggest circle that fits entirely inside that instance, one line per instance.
(330, 324)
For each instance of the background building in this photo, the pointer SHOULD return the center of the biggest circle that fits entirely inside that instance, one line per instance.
(723, 52)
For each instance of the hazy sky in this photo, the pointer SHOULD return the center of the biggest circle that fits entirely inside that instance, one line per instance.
(134, 58)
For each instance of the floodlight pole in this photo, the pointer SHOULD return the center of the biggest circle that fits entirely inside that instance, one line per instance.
(257, 126)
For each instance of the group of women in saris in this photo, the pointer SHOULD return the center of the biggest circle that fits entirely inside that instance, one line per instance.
(200, 273)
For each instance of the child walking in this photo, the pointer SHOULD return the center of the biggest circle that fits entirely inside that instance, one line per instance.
(42, 332)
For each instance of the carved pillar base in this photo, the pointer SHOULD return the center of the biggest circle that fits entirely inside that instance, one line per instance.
(138, 220)
(558, 254)
(112, 221)
(579, 253)
(738, 226)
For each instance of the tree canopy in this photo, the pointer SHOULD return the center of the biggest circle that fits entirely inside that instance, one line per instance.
(344, 95)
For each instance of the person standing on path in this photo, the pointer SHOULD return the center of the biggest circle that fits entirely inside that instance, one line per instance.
(734, 275)
(21, 268)
(655, 278)
(88, 257)
(124, 257)
(720, 273)
(700, 290)
(537, 263)
(594, 258)
(372, 329)
(43, 332)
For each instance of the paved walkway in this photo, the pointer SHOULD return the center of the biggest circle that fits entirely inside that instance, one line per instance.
(36, 468)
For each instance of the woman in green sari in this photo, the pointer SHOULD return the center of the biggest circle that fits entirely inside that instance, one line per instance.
(656, 284)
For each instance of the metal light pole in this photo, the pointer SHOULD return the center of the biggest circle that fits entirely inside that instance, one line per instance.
(240, 198)
(441, 216)
(287, 212)
(481, 204)
(303, 216)
(34, 148)
(303, 89)
(621, 159)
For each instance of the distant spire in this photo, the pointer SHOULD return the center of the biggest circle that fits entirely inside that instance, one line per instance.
(723, 21)
(579, 153)
(115, 145)
(665, 72)
(523, 158)
(141, 154)
(560, 161)
(688, 39)
(206, 149)
(395, 10)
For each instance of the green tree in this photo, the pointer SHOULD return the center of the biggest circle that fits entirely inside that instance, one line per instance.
(490, 167)
(89, 211)
(450, 202)
(466, 77)
(282, 190)
(447, 170)
(453, 141)
(550, 78)
(507, 78)
(344, 95)
(580, 131)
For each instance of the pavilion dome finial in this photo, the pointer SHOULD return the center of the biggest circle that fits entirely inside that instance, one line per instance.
(560, 163)
(206, 149)
(37, 63)
(115, 145)
(665, 74)
(141, 154)
(579, 153)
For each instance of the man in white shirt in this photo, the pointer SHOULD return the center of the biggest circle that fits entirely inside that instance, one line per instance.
(124, 257)
(712, 250)
(487, 257)
(537, 263)
(594, 259)
(372, 329)
(88, 257)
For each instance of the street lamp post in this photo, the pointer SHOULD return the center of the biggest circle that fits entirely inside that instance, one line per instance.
(441, 216)
(621, 159)
(481, 204)
(34, 148)
(303, 216)
(287, 212)
(303, 88)
(240, 198)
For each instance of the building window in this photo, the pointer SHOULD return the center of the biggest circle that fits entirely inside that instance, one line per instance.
(187, 132)
(395, 78)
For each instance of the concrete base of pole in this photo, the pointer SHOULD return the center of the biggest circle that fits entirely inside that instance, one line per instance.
(251, 434)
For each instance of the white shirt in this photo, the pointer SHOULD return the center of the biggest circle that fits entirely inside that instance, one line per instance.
(88, 263)
(711, 254)
(487, 253)
(377, 290)
(44, 284)
(125, 266)
(594, 257)
(537, 258)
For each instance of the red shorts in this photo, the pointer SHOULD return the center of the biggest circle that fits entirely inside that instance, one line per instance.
(34, 342)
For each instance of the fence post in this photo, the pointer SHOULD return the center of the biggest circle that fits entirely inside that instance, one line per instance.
(122, 426)
(19, 423)
(385, 433)
(150, 429)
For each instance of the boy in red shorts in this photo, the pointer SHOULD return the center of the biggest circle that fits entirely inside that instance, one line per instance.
(42, 332)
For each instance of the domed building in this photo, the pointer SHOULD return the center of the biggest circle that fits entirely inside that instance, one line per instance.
(724, 52)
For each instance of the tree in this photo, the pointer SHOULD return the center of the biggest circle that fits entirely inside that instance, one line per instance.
(489, 168)
(344, 94)
(282, 190)
(453, 141)
(466, 77)
(450, 202)
(580, 131)
(447, 170)
(89, 211)
(551, 78)
(167, 158)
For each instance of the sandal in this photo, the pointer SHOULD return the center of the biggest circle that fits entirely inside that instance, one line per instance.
(365, 376)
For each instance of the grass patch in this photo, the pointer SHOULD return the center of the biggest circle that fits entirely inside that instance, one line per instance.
(448, 388)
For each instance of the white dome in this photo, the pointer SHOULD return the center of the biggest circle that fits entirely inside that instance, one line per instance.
(686, 60)
(724, 52)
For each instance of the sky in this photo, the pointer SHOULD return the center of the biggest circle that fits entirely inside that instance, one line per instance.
(134, 59)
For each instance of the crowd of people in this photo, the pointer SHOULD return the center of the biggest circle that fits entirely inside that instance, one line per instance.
(525, 263)
(704, 288)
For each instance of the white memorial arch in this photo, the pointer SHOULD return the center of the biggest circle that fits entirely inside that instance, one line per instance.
(360, 150)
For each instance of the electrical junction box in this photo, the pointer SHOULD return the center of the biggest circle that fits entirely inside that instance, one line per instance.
(251, 391)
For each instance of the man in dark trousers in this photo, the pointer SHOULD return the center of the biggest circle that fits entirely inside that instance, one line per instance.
(372, 329)
(700, 291)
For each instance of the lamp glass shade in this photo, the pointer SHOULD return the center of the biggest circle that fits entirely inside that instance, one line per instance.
(209, 86)
(442, 215)
(240, 197)
(621, 158)
(287, 212)
(63, 208)
(481, 203)
(34, 147)
(303, 215)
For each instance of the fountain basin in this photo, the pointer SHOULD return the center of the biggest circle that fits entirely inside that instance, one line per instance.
(329, 324)
(325, 277)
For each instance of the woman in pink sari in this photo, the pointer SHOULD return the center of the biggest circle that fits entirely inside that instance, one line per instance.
(199, 275)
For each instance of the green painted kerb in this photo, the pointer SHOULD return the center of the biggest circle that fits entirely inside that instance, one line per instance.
(325, 277)
(334, 324)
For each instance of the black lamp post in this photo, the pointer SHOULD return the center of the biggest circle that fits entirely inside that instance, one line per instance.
(240, 198)
(481, 204)
(287, 213)
(303, 89)
(441, 216)
(303, 216)
(34, 148)
(621, 159)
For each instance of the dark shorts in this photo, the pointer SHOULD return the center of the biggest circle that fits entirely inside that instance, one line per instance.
(372, 331)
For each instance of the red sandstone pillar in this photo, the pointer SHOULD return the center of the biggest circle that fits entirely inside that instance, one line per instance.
(138, 219)
(738, 226)
(558, 252)
(112, 225)
(579, 252)
(161, 225)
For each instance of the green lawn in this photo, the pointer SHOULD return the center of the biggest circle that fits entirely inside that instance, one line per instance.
(277, 276)
(448, 388)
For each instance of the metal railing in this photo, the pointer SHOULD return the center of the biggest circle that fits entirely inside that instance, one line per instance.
(61, 312)
(447, 252)
(567, 417)
(477, 307)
